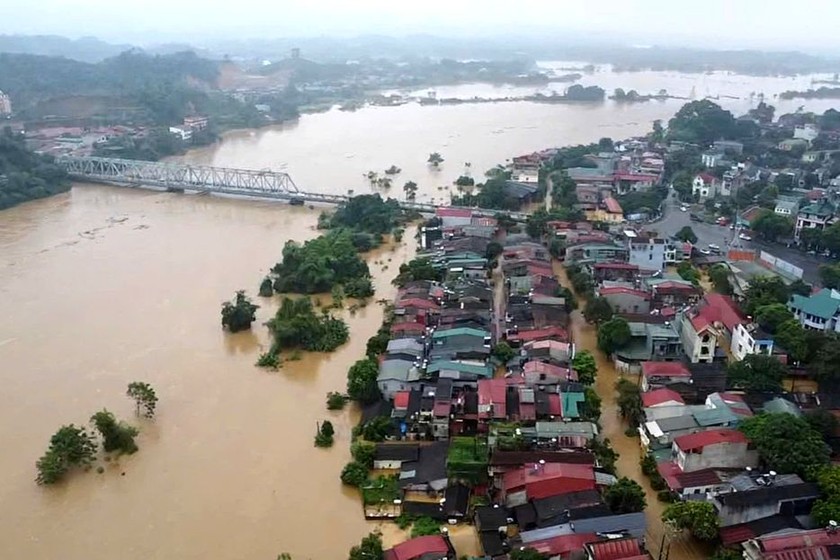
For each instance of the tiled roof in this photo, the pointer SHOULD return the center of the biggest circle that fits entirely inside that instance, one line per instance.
(616, 266)
(660, 396)
(669, 369)
(616, 549)
(821, 304)
(613, 206)
(613, 290)
(709, 437)
(415, 548)
(443, 212)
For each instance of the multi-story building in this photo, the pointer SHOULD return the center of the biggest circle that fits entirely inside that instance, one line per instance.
(818, 215)
(819, 312)
(5, 105)
(704, 186)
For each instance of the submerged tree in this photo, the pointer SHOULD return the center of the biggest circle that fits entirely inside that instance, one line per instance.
(69, 446)
(435, 159)
(116, 436)
(144, 397)
(238, 314)
(267, 287)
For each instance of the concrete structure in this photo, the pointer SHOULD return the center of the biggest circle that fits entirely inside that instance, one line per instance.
(5, 105)
(184, 134)
(647, 253)
(720, 448)
(704, 186)
(787, 206)
(750, 339)
(626, 300)
(819, 312)
(648, 342)
(807, 132)
(818, 215)
(753, 495)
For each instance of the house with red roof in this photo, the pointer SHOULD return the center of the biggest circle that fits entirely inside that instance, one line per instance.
(722, 448)
(662, 374)
(706, 330)
(562, 546)
(705, 186)
(661, 397)
(543, 480)
(454, 217)
(817, 544)
(609, 211)
(672, 293)
(430, 547)
(629, 548)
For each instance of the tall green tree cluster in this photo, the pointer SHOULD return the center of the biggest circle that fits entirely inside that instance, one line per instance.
(25, 175)
(297, 325)
(70, 446)
(237, 315)
(368, 213)
(787, 443)
(319, 264)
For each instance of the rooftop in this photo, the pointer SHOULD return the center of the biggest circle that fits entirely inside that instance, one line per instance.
(417, 548)
(669, 369)
(700, 440)
(823, 304)
(660, 396)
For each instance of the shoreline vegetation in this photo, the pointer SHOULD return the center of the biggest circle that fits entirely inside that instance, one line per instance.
(330, 263)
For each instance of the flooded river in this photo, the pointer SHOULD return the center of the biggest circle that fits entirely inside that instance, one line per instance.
(103, 286)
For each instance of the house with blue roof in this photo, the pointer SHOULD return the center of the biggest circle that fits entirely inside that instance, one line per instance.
(819, 312)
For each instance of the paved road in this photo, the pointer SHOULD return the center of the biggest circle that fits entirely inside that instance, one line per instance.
(674, 220)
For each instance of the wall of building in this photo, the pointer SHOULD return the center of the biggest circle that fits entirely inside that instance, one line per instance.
(718, 455)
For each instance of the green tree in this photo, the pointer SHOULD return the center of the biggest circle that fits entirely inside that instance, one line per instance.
(116, 436)
(831, 237)
(598, 310)
(363, 453)
(361, 381)
(378, 344)
(296, 325)
(378, 429)
(792, 337)
(434, 159)
(493, 250)
(786, 443)
(682, 183)
(335, 401)
(70, 446)
(629, 402)
(764, 290)
(823, 365)
(321, 263)
(625, 496)
(770, 226)
(26, 175)
(613, 335)
(417, 269)
(266, 287)
(823, 422)
(524, 553)
(410, 190)
(591, 411)
(686, 234)
(605, 455)
(830, 275)
(424, 526)
(324, 436)
(699, 517)
(369, 549)
(586, 367)
(827, 508)
(464, 181)
(701, 122)
(369, 213)
(811, 238)
(354, 474)
(772, 315)
(719, 275)
(238, 314)
(688, 273)
(756, 372)
(503, 352)
(144, 397)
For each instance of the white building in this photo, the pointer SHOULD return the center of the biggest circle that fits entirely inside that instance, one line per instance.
(525, 175)
(749, 339)
(5, 105)
(184, 134)
(704, 186)
(806, 132)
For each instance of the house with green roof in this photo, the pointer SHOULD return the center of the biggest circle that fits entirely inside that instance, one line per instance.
(820, 311)
(818, 215)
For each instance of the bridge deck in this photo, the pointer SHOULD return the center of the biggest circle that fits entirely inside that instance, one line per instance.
(220, 180)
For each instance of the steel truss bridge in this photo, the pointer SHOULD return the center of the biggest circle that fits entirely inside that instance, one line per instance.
(213, 180)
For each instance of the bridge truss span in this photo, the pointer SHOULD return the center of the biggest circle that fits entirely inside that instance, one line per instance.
(181, 176)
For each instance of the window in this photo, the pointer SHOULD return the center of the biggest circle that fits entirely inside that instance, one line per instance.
(706, 337)
(704, 350)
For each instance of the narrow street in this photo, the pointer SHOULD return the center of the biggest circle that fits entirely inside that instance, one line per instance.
(584, 336)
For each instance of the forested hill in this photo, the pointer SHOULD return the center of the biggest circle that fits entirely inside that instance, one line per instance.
(25, 175)
(28, 77)
(88, 49)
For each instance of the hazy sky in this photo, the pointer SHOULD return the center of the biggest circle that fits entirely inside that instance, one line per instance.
(806, 24)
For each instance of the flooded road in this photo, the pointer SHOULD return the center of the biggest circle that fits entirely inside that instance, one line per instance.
(104, 286)
(613, 427)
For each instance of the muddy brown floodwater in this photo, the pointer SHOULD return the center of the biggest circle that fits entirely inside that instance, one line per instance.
(103, 286)
(584, 336)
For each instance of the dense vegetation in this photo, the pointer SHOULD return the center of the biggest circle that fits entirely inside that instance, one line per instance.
(70, 446)
(297, 325)
(787, 443)
(367, 213)
(238, 314)
(321, 263)
(491, 194)
(25, 175)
